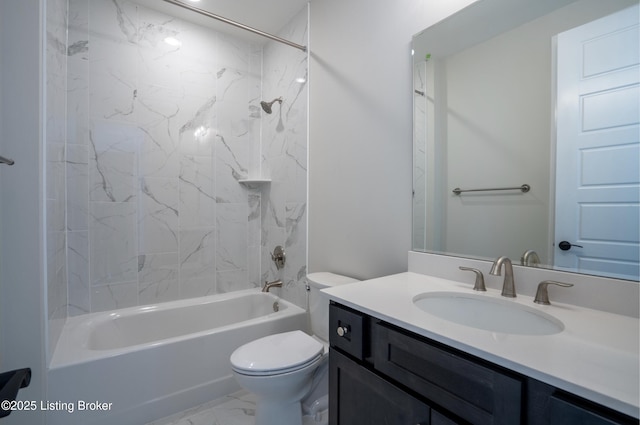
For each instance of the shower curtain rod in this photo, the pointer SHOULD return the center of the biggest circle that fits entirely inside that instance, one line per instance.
(237, 24)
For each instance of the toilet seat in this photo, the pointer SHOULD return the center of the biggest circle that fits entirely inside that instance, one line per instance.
(276, 354)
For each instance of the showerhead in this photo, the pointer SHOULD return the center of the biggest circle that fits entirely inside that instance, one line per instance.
(266, 106)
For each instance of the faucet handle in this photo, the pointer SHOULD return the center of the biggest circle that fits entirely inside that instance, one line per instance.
(479, 284)
(278, 256)
(542, 295)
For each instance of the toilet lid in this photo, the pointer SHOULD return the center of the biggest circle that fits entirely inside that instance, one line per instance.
(277, 353)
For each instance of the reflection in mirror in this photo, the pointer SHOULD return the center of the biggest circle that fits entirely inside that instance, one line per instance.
(537, 92)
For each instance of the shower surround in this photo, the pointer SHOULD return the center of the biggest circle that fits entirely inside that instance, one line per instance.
(158, 136)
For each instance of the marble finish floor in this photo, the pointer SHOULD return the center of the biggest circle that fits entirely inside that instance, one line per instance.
(235, 409)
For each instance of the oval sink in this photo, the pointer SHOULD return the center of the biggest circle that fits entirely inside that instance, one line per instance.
(491, 314)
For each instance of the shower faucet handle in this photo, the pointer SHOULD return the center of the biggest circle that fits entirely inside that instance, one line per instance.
(278, 256)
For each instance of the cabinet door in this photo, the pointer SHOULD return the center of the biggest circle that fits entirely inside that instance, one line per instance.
(360, 397)
(473, 392)
(439, 419)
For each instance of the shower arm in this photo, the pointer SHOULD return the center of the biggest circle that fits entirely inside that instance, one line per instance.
(266, 106)
(237, 24)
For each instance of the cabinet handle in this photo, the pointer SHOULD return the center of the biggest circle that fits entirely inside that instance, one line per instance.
(342, 330)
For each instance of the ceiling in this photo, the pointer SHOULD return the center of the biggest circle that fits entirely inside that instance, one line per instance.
(265, 15)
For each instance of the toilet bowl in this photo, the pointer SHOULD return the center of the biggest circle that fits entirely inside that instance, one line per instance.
(279, 370)
(288, 371)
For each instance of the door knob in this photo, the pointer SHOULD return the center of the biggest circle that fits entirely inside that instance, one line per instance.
(566, 246)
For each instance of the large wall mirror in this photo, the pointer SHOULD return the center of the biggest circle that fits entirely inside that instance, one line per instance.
(526, 135)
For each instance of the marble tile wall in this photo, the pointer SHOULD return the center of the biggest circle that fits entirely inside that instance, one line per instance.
(158, 136)
(284, 159)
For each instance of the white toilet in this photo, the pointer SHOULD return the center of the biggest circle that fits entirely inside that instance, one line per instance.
(288, 371)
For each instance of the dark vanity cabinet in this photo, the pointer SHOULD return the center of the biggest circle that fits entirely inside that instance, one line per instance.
(366, 398)
(382, 374)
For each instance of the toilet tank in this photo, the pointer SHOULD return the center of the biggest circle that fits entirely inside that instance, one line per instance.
(319, 302)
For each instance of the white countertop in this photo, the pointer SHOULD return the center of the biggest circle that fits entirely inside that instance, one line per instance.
(596, 356)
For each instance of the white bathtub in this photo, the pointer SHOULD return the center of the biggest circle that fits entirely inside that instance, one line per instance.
(153, 361)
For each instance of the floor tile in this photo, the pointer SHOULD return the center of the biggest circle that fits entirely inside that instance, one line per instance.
(234, 409)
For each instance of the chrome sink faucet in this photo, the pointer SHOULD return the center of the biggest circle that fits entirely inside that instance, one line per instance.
(530, 258)
(269, 285)
(508, 288)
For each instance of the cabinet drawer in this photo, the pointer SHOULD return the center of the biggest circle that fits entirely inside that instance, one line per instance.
(565, 412)
(471, 391)
(346, 330)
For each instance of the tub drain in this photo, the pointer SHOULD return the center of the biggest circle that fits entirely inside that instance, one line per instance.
(276, 306)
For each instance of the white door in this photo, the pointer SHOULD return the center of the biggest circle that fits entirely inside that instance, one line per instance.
(598, 149)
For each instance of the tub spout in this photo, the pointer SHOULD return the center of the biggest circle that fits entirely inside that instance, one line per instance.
(269, 285)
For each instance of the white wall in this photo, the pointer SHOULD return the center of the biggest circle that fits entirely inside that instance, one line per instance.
(498, 133)
(360, 132)
(22, 306)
